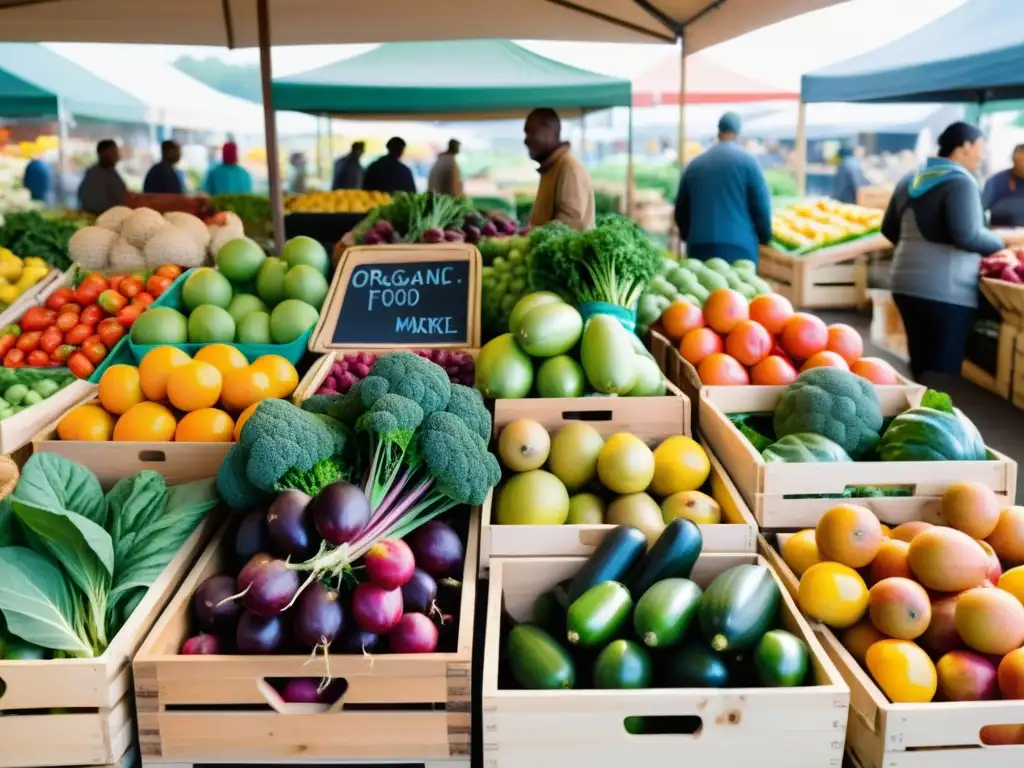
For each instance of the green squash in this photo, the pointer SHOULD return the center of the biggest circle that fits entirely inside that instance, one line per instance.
(805, 448)
(925, 434)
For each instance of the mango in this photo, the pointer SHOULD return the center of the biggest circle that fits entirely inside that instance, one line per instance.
(908, 531)
(903, 671)
(899, 608)
(549, 329)
(966, 676)
(1011, 676)
(941, 636)
(990, 621)
(972, 508)
(946, 560)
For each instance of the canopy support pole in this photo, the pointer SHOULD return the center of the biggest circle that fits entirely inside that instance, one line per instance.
(801, 150)
(62, 137)
(319, 151)
(682, 102)
(270, 125)
(583, 137)
(629, 167)
(330, 152)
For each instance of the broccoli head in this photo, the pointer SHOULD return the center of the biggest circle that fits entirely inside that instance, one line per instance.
(457, 459)
(468, 404)
(835, 404)
(411, 376)
(233, 485)
(348, 407)
(320, 403)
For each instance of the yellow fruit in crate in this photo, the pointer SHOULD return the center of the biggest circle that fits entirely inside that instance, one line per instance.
(680, 464)
(283, 376)
(86, 422)
(800, 551)
(625, 464)
(156, 367)
(194, 386)
(242, 418)
(223, 357)
(834, 594)
(903, 671)
(1013, 582)
(120, 388)
(691, 505)
(244, 387)
(146, 422)
(207, 425)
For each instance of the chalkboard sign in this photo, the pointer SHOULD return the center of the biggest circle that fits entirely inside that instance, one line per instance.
(412, 296)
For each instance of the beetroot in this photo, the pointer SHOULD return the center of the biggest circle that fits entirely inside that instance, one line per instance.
(414, 633)
(201, 645)
(250, 569)
(356, 640)
(215, 609)
(259, 634)
(419, 594)
(340, 512)
(438, 549)
(251, 537)
(301, 690)
(289, 526)
(376, 610)
(318, 616)
(389, 563)
(433, 235)
(273, 588)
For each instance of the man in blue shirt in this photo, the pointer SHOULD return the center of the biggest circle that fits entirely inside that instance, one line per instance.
(37, 179)
(1003, 197)
(163, 178)
(723, 208)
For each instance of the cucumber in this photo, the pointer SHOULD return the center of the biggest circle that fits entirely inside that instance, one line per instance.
(738, 607)
(694, 665)
(596, 617)
(622, 664)
(615, 555)
(671, 557)
(550, 607)
(537, 661)
(780, 659)
(664, 613)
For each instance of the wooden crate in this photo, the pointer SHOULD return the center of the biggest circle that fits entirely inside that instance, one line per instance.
(1001, 382)
(768, 488)
(829, 278)
(1017, 389)
(887, 331)
(737, 532)
(100, 726)
(19, 429)
(1007, 298)
(396, 708)
(735, 727)
(881, 734)
(33, 297)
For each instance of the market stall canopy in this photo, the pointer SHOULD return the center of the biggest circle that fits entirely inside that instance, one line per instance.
(35, 81)
(836, 121)
(473, 79)
(974, 53)
(233, 23)
(706, 83)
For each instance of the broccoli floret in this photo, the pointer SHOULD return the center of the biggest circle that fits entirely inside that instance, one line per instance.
(388, 428)
(468, 404)
(312, 481)
(320, 403)
(340, 433)
(412, 376)
(458, 460)
(372, 389)
(349, 407)
(835, 404)
(233, 485)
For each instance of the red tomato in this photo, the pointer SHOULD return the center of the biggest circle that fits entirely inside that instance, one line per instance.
(131, 287)
(51, 339)
(110, 331)
(71, 308)
(37, 319)
(38, 359)
(168, 270)
(78, 334)
(15, 358)
(59, 298)
(7, 343)
(144, 299)
(129, 315)
(80, 365)
(115, 280)
(157, 284)
(96, 278)
(111, 301)
(28, 341)
(66, 321)
(91, 315)
(62, 353)
(94, 349)
(87, 293)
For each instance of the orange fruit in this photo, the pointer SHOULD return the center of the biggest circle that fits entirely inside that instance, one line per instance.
(223, 357)
(244, 387)
(725, 309)
(1011, 676)
(1013, 582)
(773, 370)
(875, 370)
(825, 359)
(1002, 735)
(699, 343)
(858, 638)
(833, 594)
(207, 425)
(722, 370)
(849, 534)
(771, 311)
(194, 386)
(845, 342)
(748, 342)
(1008, 537)
(156, 366)
(283, 376)
(907, 531)
(86, 422)
(800, 551)
(120, 388)
(803, 336)
(903, 671)
(146, 422)
(680, 318)
(240, 421)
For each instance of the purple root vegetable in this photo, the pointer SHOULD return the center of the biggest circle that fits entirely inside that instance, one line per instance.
(272, 589)
(489, 230)
(414, 633)
(251, 537)
(340, 513)
(433, 235)
(318, 616)
(389, 564)
(250, 569)
(331, 382)
(372, 238)
(419, 593)
(384, 228)
(259, 634)
(472, 233)
(357, 640)
(301, 690)
(454, 236)
(201, 645)
(326, 391)
(376, 610)
(290, 526)
(359, 370)
(215, 609)
(438, 549)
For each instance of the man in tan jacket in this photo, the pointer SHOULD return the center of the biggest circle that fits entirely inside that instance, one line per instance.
(565, 193)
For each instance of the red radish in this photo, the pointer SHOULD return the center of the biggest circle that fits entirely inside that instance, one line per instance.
(201, 645)
(389, 563)
(250, 569)
(301, 690)
(438, 549)
(414, 633)
(272, 589)
(376, 610)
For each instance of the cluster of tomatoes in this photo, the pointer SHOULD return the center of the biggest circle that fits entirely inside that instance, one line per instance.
(77, 327)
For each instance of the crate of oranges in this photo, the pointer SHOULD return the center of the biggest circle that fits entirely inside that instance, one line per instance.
(176, 414)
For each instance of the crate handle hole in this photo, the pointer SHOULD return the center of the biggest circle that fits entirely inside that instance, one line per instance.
(152, 456)
(3, 687)
(1007, 735)
(665, 725)
(586, 415)
(303, 695)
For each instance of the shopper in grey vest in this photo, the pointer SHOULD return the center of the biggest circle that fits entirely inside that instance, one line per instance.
(937, 224)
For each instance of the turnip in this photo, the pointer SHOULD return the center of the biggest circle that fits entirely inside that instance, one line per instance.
(374, 609)
(438, 549)
(384, 228)
(433, 235)
(201, 645)
(489, 230)
(216, 610)
(472, 234)
(414, 633)
(318, 616)
(454, 236)
(372, 238)
(340, 513)
(251, 537)
(301, 690)
(419, 593)
(289, 526)
(272, 589)
(259, 634)
(389, 564)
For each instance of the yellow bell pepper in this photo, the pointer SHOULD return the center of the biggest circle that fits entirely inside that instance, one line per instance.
(9, 294)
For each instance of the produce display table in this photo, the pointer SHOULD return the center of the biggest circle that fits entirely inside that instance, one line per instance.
(325, 228)
(834, 277)
(1008, 300)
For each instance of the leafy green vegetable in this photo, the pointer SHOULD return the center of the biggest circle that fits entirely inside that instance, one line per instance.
(754, 435)
(31, 234)
(49, 481)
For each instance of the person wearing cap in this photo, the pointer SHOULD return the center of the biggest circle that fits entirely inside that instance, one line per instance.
(445, 177)
(1003, 196)
(228, 178)
(849, 176)
(723, 208)
(936, 221)
(388, 173)
(565, 193)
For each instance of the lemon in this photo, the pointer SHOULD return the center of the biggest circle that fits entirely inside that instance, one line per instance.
(680, 464)
(800, 551)
(625, 464)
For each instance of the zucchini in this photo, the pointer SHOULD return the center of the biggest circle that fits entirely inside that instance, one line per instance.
(596, 617)
(780, 659)
(738, 607)
(694, 665)
(550, 607)
(622, 664)
(615, 555)
(537, 661)
(664, 613)
(671, 557)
